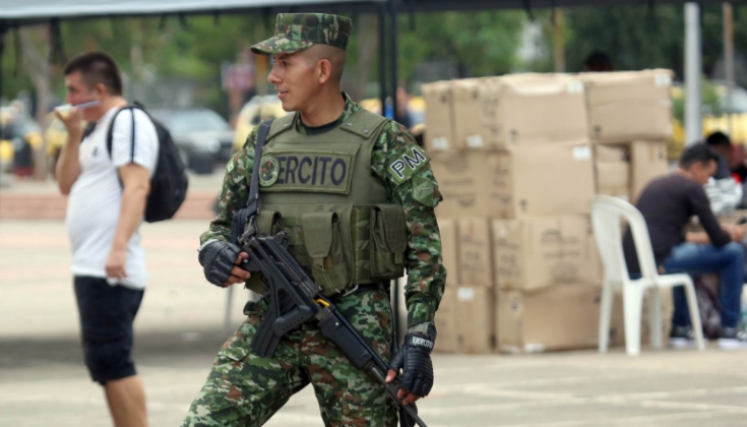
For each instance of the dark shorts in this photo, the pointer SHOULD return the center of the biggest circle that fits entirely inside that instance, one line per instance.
(106, 315)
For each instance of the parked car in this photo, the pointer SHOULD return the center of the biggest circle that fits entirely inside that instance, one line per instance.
(415, 109)
(202, 136)
(260, 107)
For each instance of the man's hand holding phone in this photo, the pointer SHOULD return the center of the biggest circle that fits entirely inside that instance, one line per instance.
(71, 116)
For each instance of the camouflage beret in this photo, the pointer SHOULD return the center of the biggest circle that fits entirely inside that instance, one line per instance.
(299, 31)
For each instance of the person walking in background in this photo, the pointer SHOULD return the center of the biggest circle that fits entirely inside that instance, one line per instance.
(108, 191)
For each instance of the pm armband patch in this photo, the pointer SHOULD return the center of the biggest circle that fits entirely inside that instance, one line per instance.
(413, 160)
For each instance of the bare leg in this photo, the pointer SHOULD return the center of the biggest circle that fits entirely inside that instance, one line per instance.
(126, 400)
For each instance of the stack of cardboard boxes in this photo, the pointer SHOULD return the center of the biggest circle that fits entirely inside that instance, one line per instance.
(517, 168)
(630, 114)
(514, 163)
(630, 118)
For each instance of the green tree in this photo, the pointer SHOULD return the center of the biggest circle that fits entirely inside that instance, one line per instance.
(638, 37)
(634, 37)
(477, 43)
(194, 47)
(14, 78)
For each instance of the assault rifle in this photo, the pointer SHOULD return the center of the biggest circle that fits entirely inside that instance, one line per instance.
(295, 299)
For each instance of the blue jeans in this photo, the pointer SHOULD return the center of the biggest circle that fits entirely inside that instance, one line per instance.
(727, 261)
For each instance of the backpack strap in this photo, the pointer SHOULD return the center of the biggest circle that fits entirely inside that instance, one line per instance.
(110, 131)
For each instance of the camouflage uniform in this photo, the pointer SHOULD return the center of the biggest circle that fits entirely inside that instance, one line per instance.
(244, 389)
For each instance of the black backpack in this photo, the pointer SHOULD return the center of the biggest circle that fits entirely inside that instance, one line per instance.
(168, 185)
(709, 306)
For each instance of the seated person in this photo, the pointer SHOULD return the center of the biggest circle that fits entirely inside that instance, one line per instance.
(667, 204)
(723, 191)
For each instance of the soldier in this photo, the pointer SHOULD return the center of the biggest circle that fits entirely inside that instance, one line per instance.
(355, 196)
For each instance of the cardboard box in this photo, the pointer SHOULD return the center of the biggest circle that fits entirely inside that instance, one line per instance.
(467, 107)
(556, 318)
(648, 160)
(523, 182)
(537, 253)
(613, 179)
(533, 109)
(617, 324)
(610, 153)
(449, 249)
(475, 252)
(468, 181)
(553, 179)
(438, 116)
(624, 106)
(446, 322)
(476, 319)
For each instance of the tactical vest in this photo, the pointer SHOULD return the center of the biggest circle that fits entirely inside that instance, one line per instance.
(319, 189)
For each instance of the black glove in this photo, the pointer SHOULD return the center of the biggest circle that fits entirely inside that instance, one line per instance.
(218, 258)
(414, 358)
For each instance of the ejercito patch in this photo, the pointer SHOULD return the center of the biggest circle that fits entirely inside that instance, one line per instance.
(408, 164)
(269, 171)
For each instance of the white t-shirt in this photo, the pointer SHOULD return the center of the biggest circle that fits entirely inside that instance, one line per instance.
(95, 198)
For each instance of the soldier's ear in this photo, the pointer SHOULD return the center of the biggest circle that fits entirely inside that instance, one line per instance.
(324, 71)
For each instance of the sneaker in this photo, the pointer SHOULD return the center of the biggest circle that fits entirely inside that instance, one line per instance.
(732, 338)
(681, 337)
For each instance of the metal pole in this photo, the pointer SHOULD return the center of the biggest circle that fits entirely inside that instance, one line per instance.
(382, 57)
(729, 62)
(3, 31)
(693, 58)
(393, 57)
(559, 40)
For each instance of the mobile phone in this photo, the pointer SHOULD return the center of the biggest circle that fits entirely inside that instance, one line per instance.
(68, 107)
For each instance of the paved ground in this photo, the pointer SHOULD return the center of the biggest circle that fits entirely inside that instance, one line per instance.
(179, 329)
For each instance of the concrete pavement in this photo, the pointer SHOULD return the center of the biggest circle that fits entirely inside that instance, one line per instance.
(179, 329)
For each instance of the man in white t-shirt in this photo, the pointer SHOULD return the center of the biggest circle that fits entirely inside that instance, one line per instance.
(108, 192)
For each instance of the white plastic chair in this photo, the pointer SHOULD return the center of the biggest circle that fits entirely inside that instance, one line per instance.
(607, 215)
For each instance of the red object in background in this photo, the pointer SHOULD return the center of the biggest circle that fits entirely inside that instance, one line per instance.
(737, 156)
(738, 167)
(23, 171)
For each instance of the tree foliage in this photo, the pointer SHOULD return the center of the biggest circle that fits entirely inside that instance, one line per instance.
(638, 37)
(193, 48)
(476, 43)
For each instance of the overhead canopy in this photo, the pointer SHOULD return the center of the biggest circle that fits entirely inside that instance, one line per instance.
(443, 5)
(26, 12)
(20, 12)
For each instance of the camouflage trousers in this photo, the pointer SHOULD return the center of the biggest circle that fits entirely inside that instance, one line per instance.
(245, 390)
